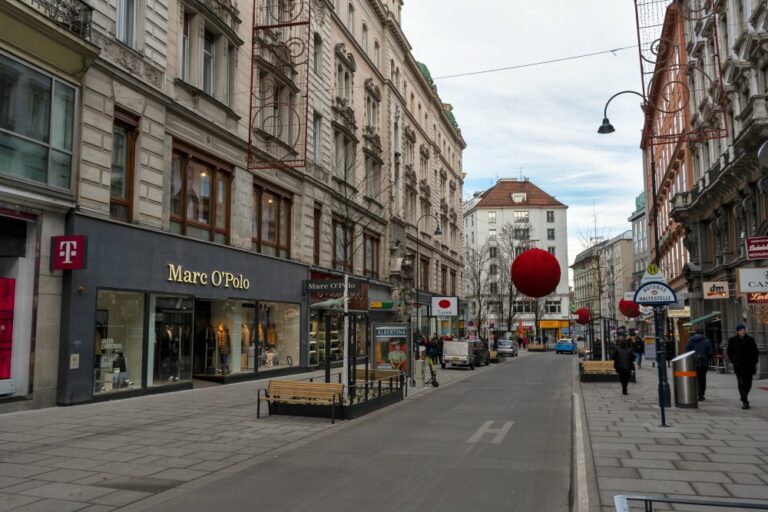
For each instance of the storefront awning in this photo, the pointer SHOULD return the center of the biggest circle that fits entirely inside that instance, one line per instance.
(700, 319)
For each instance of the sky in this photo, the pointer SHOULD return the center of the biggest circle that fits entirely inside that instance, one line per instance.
(541, 120)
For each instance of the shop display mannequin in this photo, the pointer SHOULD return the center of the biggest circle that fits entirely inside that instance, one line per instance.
(224, 343)
(166, 349)
(246, 343)
(119, 371)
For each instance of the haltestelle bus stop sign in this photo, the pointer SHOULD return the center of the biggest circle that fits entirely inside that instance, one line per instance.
(655, 293)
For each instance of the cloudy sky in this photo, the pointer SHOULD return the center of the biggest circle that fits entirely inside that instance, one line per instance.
(541, 119)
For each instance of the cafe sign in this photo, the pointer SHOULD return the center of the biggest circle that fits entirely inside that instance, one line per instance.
(757, 247)
(757, 298)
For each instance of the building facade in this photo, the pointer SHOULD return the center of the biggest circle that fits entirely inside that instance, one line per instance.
(205, 191)
(499, 224)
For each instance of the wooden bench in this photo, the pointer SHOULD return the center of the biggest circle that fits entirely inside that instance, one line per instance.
(600, 370)
(302, 393)
(537, 347)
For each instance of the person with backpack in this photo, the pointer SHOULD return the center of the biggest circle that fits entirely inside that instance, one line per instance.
(704, 353)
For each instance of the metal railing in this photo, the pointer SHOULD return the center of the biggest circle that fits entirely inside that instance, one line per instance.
(74, 15)
(622, 503)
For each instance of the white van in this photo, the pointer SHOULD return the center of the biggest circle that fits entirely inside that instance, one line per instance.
(458, 353)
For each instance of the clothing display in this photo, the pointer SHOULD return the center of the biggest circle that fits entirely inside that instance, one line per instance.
(224, 345)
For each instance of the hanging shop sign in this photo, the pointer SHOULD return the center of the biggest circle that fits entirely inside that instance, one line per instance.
(757, 298)
(684, 312)
(445, 306)
(330, 287)
(715, 290)
(216, 278)
(757, 247)
(68, 252)
(549, 324)
(322, 286)
(752, 280)
(654, 293)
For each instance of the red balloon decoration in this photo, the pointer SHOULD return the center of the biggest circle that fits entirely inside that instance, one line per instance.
(585, 316)
(629, 308)
(536, 273)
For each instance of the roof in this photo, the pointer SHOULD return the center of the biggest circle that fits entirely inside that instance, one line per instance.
(500, 195)
(425, 72)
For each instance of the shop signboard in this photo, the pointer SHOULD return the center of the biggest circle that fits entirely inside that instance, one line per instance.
(68, 252)
(445, 306)
(549, 324)
(757, 247)
(322, 287)
(715, 290)
(752, 280)
(757, 298)
(390, 346)
(684, 312)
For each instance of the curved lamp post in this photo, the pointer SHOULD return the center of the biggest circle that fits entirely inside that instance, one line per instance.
(661, 352)
(437, 232)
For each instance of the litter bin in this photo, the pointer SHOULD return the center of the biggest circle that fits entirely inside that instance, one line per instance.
(684, 373)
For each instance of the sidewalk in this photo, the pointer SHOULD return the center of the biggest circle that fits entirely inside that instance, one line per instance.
(130, 454)
(717, 451)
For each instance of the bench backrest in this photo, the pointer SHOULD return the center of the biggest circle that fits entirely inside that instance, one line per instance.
(597, 365)
(320, 391)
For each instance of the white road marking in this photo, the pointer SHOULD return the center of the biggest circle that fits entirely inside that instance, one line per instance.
(486, 429)
(581, 459)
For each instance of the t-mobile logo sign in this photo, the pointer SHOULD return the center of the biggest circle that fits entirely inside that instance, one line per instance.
(68, 252)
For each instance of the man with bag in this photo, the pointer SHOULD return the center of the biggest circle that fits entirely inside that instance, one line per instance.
(704, 353)
(743, 354)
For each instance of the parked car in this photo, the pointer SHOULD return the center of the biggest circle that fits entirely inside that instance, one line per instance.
(506, 347)
(481, 352)
(566, 346)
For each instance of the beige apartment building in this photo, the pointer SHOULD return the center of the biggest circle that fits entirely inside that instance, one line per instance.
(203, 188)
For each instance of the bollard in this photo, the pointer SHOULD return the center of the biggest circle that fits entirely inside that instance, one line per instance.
(684, 375)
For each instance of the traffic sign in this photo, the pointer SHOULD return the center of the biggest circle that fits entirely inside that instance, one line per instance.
(654, 293)
(653, 269)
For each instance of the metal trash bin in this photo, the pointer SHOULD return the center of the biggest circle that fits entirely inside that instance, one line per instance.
(684, 374)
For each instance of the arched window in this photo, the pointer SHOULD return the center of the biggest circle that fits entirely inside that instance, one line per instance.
(351, 18)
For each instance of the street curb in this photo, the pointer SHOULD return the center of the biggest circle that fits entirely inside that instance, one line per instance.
(590, 502)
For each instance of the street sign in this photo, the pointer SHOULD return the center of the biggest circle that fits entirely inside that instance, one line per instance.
(653, 269)
(757, 247)
(654, 293)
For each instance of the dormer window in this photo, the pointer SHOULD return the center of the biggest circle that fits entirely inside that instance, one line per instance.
(519, 197)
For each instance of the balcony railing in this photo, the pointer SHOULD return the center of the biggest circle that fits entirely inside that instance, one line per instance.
(74, 15)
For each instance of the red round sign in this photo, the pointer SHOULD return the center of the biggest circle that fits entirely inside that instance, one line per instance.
(445, 303)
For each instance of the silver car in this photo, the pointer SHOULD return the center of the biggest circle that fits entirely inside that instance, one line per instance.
(507, 348)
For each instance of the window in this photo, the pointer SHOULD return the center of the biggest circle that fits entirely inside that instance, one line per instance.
(37, 116)
(493, 269)
(376, 53)
(208, 63)
(317, 228)
(351, 19)
(491, 217)
(493, 252)
(521, 234)
(199, 196)
(552, 306)
(185, 47)
(372, 177)
(371, 255)
(493, 288)
(444, 280)
(317, 54)
(342, 245)
(551, 250)
(519, 198)
(521, 216)
(364, 38)
(317, 131)
(124, 133)
(550, 216)
(126, 22)
(271, 227)
(550, 234)
(492, 234)
(424, 274)
(452, 289)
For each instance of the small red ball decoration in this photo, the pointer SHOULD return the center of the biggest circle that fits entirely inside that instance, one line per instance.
(629, 308)
(585, 316)
(536, 273)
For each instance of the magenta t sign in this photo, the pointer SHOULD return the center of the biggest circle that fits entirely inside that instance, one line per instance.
(757, 248)
(68, 252)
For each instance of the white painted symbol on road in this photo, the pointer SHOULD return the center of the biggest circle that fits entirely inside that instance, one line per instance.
(486, 429)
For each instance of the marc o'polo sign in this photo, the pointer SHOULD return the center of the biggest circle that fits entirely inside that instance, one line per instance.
(331, 287)
(216, 278)
(757, 247)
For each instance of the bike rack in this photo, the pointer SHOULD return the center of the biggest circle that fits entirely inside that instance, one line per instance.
(622, 503)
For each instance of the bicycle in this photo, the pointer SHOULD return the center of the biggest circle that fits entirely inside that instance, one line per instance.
(432, 373)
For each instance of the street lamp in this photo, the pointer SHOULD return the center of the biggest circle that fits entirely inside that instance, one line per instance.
(437, 232)
(661, 352)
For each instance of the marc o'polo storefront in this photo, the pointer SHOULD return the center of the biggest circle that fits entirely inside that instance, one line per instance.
(153, 312)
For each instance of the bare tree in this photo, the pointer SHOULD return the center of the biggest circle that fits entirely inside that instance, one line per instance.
(476, 271)
(513, 240)
(596, 264)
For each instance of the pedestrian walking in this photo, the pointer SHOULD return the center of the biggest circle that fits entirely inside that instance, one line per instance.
(742, 352)
(525, 343)
(704, 353)
(623, 363)
(638, 347)
(432, 348)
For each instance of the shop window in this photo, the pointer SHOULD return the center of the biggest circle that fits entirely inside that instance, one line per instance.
(227, 334)
(278, 335)
(36, 125)
(124, 134)
(371, 255)
(118, 341)
(342, 245)
(271, 228)
(324, 338)
(170, 339)
(199, 197)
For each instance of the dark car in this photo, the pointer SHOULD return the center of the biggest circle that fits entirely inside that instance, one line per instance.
(506, 347)
(481, 352)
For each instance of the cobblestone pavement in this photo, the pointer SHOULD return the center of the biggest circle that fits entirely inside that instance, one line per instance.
(717, 451)
(128, 454)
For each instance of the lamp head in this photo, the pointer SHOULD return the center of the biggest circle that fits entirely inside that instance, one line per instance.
(606, 127)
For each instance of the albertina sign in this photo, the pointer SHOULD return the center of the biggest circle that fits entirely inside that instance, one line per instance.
(654, 293)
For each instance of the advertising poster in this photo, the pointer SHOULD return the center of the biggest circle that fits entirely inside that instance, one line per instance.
(650, 347)
(390, 346)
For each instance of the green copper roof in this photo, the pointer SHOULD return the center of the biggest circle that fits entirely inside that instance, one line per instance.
(425, 72)
(449, 112)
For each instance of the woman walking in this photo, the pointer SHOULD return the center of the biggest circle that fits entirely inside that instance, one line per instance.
(624, 363)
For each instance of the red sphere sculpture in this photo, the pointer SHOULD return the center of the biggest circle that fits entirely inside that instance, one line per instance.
(629, 308)
(536, 273)
(585, 316)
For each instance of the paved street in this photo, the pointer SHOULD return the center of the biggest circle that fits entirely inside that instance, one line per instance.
(203, 449)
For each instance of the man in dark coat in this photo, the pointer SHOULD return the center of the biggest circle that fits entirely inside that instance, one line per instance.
(704, 352)
(638, 347)
(742, 352)
(624, 364)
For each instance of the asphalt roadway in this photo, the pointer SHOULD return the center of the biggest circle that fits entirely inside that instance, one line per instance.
(498, 440)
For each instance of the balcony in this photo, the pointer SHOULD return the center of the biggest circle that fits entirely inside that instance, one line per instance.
(57, 32)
